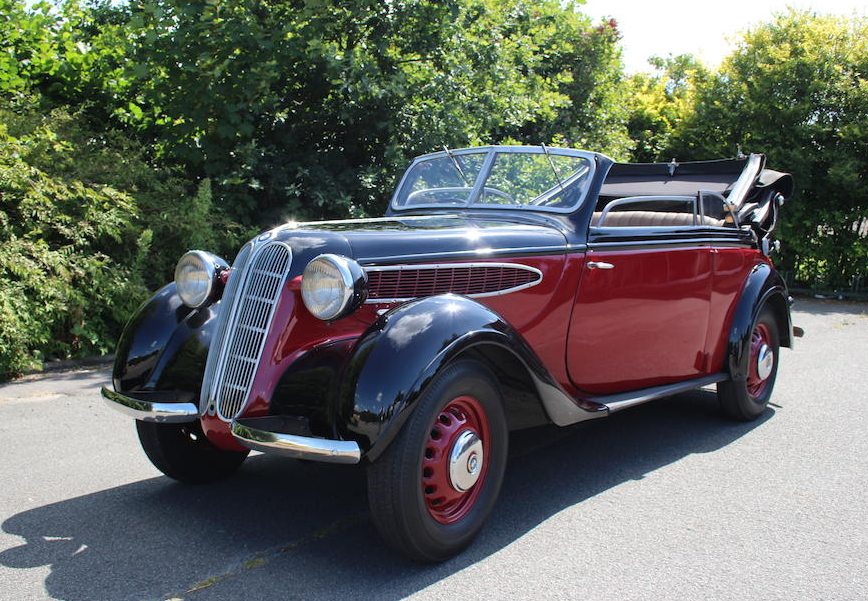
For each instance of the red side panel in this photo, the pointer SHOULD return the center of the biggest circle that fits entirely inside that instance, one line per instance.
(643, 322)
(541, 313)
(731, 268)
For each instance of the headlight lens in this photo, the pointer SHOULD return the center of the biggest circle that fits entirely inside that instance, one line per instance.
(333, 286)
(196, 277)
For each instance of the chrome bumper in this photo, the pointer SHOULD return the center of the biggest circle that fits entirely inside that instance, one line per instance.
(150, 411)
(295, 445)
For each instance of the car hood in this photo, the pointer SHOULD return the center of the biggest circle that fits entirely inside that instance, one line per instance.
(418, 239)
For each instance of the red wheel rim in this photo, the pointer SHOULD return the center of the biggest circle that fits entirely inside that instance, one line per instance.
(446, 504)
(761, 337)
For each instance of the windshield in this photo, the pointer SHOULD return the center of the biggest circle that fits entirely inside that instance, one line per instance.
(523, 177)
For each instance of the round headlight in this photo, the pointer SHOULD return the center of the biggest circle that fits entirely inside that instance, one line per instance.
(196, 277)
(333, 287)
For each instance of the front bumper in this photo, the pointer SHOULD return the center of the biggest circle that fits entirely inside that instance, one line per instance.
(275, 435)
(290, 437)
(151, 411)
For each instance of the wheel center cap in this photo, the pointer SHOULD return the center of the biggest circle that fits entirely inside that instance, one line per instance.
(465, 461)
(765, 360)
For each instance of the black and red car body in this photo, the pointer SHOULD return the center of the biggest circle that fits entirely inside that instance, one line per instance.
(506, 287)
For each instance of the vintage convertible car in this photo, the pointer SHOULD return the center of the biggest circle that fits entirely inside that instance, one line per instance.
(506, 287)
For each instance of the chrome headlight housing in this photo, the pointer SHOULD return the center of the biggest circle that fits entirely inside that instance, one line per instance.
(196, 277)
(333, 286)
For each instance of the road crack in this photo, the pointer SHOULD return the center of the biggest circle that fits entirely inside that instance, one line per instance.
(262, 558)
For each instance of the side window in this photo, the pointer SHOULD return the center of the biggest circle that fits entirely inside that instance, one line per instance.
(648, 211)
(715, 211)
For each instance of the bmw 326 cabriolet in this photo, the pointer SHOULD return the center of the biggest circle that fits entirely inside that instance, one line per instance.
(506, 287)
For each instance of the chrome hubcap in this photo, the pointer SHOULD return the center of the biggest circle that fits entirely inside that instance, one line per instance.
(764, 361)
(465, 461)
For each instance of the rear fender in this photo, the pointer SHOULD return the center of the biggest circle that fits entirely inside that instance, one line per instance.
(763, 286)
(402, 351)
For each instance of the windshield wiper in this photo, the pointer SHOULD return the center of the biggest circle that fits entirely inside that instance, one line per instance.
(457, 166)
(552, 164)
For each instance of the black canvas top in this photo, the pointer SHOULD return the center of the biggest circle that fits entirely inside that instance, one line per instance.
(672, 179)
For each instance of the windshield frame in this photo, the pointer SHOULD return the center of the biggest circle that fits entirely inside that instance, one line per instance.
(484, 171)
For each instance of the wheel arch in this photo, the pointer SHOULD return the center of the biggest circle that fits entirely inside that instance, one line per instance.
(386, 374)
(164, 346)
(763, 286)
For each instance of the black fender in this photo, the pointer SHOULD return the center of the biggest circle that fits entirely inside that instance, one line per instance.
(164, 347)
(404, 349)
(763, 285)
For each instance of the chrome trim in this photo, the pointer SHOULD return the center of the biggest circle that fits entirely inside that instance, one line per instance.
(466, 459)
(617, 402)
(298, 447)
(415, 267)
(722, 242)
(637, 199)
(744, 183)
(149, 411)
(476, 253)
(345, 267)
(219, 376)
(491, 152)
(213, 266)
(765, 360)
(600, 265)
(219, 337)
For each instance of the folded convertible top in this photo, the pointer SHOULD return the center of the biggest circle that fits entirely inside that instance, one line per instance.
(686, 179)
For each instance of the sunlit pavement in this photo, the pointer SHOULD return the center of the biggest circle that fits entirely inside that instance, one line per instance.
(665, 501)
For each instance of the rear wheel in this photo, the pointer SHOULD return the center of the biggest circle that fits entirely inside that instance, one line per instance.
(182, 452)
(432, 489)
(747, 398)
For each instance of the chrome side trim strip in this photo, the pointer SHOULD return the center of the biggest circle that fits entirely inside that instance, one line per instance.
(375, 301)
(721, 242)
(617, 402)
(298, 447)
(479, 253)
(149, 411)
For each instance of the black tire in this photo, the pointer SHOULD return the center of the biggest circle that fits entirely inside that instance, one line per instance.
(182, 452)
(746, 399)
(402, 511)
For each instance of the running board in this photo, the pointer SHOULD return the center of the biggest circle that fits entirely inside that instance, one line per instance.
(624, 400)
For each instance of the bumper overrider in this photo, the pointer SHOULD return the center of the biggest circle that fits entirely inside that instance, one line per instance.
(273, 434)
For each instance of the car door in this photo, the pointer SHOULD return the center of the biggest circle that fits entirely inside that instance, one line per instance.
(640, 317)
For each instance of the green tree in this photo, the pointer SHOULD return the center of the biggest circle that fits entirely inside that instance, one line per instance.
(312, 108)
(796, 89)
(659, 103)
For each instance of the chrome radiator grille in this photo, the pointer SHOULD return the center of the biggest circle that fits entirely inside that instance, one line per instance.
(248, 307)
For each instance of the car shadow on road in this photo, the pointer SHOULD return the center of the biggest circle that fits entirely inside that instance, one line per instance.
(284, 528)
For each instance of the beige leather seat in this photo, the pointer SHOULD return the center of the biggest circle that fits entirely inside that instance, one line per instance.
(651, 219)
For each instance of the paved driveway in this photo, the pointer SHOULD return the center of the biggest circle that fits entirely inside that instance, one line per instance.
(665, 501)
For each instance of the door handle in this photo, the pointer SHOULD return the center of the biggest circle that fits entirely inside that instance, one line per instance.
(599, 265)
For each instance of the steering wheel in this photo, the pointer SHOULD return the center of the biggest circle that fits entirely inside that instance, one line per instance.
(454, 192)
(501, 193)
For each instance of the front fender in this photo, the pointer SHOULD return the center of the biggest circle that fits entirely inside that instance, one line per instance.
(402, 351)
(764, 285)
(164, 347)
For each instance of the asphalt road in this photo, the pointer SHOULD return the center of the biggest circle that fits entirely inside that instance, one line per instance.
(665, 501)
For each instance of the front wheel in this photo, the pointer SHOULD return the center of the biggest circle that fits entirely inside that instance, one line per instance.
(432, 489)
(747, 398)
(182, 452)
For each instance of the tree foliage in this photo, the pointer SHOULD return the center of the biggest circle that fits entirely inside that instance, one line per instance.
(796, 89)
(134, 131)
